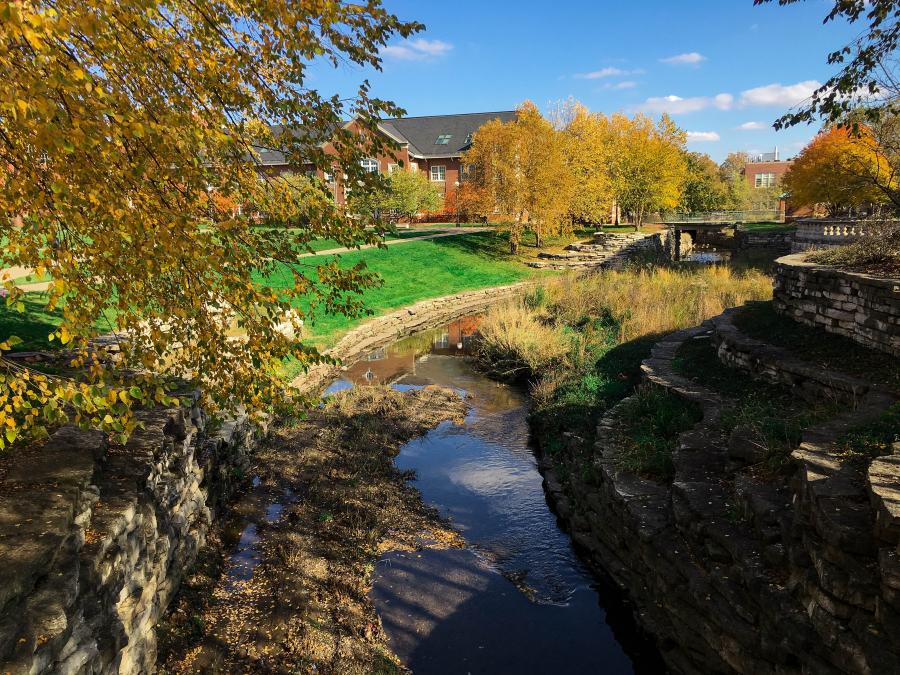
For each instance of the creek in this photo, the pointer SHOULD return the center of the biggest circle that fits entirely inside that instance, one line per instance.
(517, 599)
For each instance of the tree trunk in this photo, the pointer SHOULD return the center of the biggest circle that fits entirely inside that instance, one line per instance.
(513, 246)
(537, 239)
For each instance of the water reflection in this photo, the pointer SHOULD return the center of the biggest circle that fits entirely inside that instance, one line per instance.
(518, 600)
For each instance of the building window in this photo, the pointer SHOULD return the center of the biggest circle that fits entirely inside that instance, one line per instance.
(443, 139)
(468, 172)
(439, 173)
(369, 165)
(327, 177)
(392, 168)
(765, 180)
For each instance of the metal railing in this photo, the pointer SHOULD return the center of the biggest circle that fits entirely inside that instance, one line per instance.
(757, 216)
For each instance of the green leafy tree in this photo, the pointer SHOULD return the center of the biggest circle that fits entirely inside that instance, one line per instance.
(704, 187)
(410, 192)
(737, 189)
(125, 126)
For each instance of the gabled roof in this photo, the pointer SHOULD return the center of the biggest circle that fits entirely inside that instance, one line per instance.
(272, 157)
(422, 133)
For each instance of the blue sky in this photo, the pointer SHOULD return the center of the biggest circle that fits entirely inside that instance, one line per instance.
(724, 69)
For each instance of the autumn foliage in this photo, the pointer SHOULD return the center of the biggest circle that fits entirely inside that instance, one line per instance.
(131, 129)
(841, 168)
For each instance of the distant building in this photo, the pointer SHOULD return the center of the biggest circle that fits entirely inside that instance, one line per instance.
(765, 172)
(433, 144)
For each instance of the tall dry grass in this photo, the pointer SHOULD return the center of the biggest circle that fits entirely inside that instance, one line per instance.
(514, 340)
(653, 301)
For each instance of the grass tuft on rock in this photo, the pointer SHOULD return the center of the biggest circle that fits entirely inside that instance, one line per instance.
(650, 422)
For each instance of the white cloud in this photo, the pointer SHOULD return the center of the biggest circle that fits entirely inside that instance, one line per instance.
(419, 49)
(688, 59)
(605, 72)
(619, 86)
(753, 126)
(779, 95)
(675, 105)
(702, 136)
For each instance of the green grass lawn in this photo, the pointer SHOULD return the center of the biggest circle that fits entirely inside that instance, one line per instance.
(411, 272)
(326, 244)
(416, 271)
(767, 227)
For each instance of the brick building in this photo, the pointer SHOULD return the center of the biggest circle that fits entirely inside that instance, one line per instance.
(765, 174)
(433, 144)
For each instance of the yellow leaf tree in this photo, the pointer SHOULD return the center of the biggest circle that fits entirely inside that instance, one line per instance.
(128, 130)
(647, 164)
(522, 175)
(588, 153)
(839, 169)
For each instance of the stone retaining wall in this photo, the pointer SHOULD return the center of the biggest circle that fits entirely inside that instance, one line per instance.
(383, 330)
(862, 307)
(752, 240)
(735, 572)
(94, 539)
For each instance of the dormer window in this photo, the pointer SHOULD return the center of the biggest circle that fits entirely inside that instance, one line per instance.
(443, 139)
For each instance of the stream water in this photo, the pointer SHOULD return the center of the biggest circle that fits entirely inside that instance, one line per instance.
(517, 600)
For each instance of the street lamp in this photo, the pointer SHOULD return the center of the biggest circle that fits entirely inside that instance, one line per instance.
(456, 199)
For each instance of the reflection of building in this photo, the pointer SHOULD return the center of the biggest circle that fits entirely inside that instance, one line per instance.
(455, 338)
(387, 365)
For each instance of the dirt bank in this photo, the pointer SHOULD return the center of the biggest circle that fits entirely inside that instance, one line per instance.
(327, 501)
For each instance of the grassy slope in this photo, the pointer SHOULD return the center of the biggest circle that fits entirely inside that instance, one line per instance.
(411, 272)
(416, 271)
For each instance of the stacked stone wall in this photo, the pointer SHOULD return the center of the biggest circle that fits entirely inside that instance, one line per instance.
(863, 307)
(94, 539)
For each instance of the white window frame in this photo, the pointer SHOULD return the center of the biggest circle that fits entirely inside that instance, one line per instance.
(369, 165)
(392, 168)
(441, 173)
(765, 179)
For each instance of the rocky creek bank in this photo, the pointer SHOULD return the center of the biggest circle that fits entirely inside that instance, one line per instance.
(732, 568)
(292, 596)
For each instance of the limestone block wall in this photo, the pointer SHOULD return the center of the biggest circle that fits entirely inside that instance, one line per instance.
(862, 307)
(94, 539)
(732, 570)
(388, 328)
(778, 241)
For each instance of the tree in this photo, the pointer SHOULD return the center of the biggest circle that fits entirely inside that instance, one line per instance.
(588, 156)
(737, 189)
(840, 169)
(410, 192)
(647, 164)
(118, 121)
(704, 187)
(521, 173)
(868, 65)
